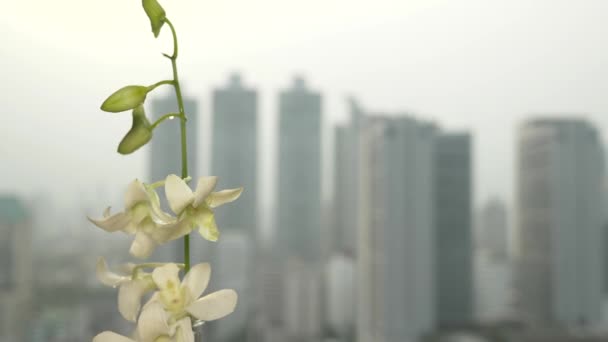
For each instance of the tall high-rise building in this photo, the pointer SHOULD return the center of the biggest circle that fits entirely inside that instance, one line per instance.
(453, 230)
(558, 243)
(492, 230)
(234, 161)
(16, 265)
(165, 158)
(396, 241)
(343, 239)
(298, 223)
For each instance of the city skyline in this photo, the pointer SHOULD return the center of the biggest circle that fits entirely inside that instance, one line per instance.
(464, 63)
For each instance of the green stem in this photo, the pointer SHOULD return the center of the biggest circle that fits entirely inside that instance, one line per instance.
(163, 118)
(183, 119)
(155, 85)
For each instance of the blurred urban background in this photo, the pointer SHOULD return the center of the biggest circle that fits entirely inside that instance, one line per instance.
(414, 170)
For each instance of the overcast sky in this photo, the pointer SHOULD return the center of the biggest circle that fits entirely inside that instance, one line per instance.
(474, 65)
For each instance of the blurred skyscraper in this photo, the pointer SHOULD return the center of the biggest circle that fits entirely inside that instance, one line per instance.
(346, 177)
(453, 230)
(165, 158)
(234, 160)
(299, 186)
(493, 230)
(340, 278)
(560, 170)
(298, 226)
(16, 282)
(493, 267)
(396, 242)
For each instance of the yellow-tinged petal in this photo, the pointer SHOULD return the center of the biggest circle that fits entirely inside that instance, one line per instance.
(136, 193)
(214, 306)
(205, 219)
(107, 277)
(143, 245)
(169, 232)
(129, 297)
(215, 199)
(184, 330)
(166, 276)
(111, 223)
(203, 189)
(109, 336)
(178, 193)
(196, 280)
(152, 323)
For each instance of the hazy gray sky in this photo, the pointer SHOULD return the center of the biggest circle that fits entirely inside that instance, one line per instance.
(477, 65)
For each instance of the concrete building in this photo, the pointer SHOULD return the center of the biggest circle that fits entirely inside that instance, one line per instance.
(346, 175)
(396, 242)
(558, 242)
(16, 282)
(298, 222)
(234, 160)
(299, 186)
(453, 230)
(165, 158)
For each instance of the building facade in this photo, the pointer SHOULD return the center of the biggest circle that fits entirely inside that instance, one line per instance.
(558, 242)
(395, 294)
(453, 230)
(234, 160)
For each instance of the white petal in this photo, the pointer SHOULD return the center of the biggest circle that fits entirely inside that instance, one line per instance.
(197, 279)
(165, 275)
(135, 193)
(203, 189)
(112, 223)
(129, 298)
(215, 199)
(153, 299)
(152, 323)
(169, 232)
(184, 331)
(143, 245)
(205, 219)
(108, 336)
(106, 277)
(213, 306)
(178, 193)
(156, 212)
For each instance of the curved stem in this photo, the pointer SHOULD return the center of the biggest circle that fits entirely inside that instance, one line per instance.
(155, 85)
(174, 56)
(183, 119)
(163, 118)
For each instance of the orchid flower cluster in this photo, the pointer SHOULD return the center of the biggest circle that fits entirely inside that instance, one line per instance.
(172, 305)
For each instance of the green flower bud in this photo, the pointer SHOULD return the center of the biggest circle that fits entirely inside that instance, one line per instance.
(125, 98)
(156, 14)
(139, 134)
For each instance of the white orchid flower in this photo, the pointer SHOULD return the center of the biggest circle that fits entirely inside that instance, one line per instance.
(157, 329)
(142, 217)
(181, 299)
(194, 209)
(132, 285)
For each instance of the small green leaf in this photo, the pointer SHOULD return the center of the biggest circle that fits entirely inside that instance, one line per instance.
(156, 14)
(139, 134)
(125, 98)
